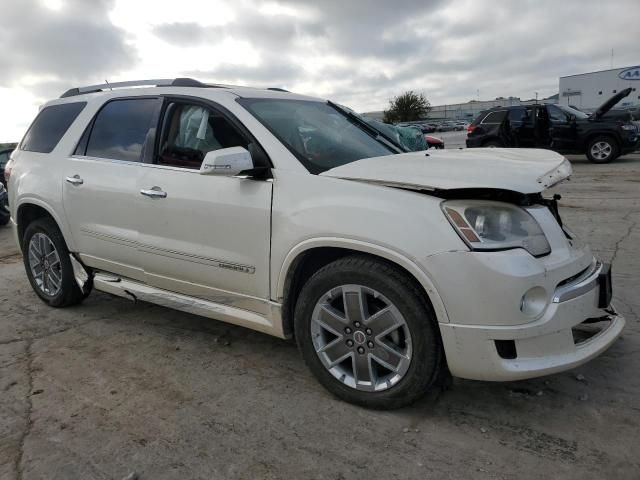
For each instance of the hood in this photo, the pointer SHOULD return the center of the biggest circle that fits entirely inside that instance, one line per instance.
(520, 170)
(608, 105)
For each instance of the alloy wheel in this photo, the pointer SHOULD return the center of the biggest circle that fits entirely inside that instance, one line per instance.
(361, 338)
(601, 150)
(45, 264)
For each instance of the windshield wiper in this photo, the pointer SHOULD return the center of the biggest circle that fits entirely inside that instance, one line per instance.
(373, 131)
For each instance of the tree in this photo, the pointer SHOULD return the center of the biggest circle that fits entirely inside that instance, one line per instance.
(407, 107)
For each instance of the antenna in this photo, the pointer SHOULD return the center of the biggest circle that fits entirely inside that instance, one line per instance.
(612, 58)
(107, 84)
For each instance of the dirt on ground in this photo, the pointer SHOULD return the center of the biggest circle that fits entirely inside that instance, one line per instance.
(111, 389)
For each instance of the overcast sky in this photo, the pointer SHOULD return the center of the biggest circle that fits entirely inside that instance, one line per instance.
(359, 53)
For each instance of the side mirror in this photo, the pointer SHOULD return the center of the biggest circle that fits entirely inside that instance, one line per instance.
(226, 161)
(571, 117)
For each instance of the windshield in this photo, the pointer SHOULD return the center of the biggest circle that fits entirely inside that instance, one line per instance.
(319, 135)
(573, 111)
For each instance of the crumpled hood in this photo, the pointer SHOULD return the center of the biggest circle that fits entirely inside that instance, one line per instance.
(518, 169)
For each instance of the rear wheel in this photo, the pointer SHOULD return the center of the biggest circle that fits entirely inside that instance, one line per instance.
(602, 149)
(367, 333)
(49, 269)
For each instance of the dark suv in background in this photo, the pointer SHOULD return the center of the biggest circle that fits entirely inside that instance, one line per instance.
(5, 153)
(557, 127)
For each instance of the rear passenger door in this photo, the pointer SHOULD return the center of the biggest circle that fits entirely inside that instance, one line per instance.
(100, 180)
(522, 129)
(204, 235)
(493, 126)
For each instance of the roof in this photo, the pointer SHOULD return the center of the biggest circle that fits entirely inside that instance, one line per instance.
(598, 71)
(144, 87)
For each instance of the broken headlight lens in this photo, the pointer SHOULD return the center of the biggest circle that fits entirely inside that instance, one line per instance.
(486, 225)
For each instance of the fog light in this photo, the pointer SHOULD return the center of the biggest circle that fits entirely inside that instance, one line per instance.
(534, 301)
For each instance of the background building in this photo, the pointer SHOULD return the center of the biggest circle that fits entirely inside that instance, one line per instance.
(588, 91)
(469, 110)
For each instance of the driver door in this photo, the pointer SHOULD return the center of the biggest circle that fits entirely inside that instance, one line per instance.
(562, 131)
(202, 235)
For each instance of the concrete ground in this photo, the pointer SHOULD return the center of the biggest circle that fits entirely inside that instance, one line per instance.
(110, 387)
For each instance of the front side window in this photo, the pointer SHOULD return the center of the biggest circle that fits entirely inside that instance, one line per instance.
(50, 126)
(556, 115)
(319, 135)
(191, 131)
(120, 129)
(495, 118)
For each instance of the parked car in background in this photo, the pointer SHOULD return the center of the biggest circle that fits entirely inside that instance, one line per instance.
(4, 205)
(289, 215)
(5, 153)
(446, 127)
(559, 128)
(434, 142)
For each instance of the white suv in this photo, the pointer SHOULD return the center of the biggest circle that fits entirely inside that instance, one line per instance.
(290, 215)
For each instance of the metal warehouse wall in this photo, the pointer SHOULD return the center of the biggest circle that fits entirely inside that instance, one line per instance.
(589, 90)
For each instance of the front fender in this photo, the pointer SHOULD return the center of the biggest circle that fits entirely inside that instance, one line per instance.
(365, 247)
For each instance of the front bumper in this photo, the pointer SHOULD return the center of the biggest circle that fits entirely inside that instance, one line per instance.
(566, 336)
(630, 144)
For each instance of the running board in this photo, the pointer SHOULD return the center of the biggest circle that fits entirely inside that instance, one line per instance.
(137, 291)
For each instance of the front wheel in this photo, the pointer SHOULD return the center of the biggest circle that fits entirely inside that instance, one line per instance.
(368, 334)
(49, 269)
(602, 150)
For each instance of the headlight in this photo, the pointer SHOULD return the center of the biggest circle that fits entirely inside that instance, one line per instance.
(629, 127)
(487, 225)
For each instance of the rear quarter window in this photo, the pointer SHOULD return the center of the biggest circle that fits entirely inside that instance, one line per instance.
(494, 118)
(50, 126)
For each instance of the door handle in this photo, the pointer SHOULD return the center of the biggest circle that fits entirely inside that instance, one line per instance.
(75, 180)
(154, 192)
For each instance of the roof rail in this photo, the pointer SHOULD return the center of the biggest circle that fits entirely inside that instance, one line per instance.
(165, 82)
(277, 89)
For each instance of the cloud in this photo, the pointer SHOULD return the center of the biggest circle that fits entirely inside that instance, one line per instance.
(181, 33)
(358, 52)
(271, 72)
(41, 47)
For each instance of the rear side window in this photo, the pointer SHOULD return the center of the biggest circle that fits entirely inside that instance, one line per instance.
(120, 129)
(50, 126)
(495, 118)
(518, 115)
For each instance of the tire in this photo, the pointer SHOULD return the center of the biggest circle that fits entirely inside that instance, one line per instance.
(4, 212)
(417, 340)
(602, 149)
(46, 236)
(492, 144)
